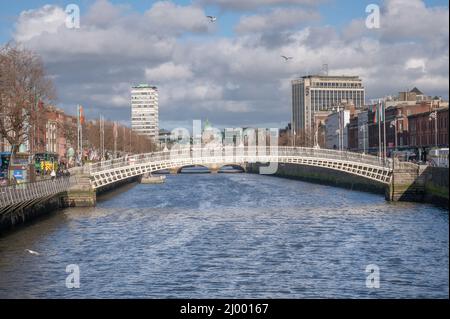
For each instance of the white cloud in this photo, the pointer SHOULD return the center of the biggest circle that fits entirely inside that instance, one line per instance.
(33, 23)
(168, 72)
(278, 19)
(237, 80)
(253, 4)
(415, 64)
(192, 92)
(167, 17)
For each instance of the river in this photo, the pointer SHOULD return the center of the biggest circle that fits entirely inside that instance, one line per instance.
(231, 236)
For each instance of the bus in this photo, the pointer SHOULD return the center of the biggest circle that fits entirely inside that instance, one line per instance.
(438, 157)
(45, 162)
(5, 157)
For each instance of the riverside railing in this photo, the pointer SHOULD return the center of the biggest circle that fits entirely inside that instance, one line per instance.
(16, 194)
(238, 154)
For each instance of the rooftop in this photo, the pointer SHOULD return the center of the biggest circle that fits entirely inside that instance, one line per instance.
(417, 91)
(144, 86)
(332, 77)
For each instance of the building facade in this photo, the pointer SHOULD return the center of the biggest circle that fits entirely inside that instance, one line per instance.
(145, 111)
(422, 129)
(397, 125)
(314, 93)
(336, 130)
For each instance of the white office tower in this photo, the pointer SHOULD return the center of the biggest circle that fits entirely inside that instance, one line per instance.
(314, 93)
(144, 110)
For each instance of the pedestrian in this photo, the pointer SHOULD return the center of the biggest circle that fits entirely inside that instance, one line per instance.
(53, 174)
(13, 181)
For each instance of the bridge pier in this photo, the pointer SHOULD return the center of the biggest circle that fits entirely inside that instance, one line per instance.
(214, 169)
(81, 194)
(407, 183)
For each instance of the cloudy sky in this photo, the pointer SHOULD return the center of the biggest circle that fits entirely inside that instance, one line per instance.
(230, 71)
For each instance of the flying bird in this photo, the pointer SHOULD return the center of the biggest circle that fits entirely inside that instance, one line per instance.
(212, 18)
(286, 58)
(32, 252)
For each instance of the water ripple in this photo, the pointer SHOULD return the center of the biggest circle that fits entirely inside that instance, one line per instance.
(232, 236)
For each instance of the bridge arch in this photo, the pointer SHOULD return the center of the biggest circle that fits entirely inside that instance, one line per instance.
(233, 166)
(180, 169)
(366, 166)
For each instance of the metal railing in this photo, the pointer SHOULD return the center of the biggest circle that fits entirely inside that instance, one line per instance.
(16, 194)
(237, 154)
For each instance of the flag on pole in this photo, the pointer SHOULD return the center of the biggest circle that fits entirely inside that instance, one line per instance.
(115, 130)
(375, 111)
(81, 114)
(382, 111)
(379, 112)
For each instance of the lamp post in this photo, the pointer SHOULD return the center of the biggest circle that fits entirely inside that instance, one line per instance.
(394, 125)
(338, 132)
(433, 115)
(293, 138)
(363, 129)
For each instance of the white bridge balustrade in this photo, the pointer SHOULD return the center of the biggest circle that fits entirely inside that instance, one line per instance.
(111, 171)
(28, 192)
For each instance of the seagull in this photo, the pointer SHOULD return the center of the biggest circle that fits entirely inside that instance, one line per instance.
(286, 58)
(32, 252)
(212, 18)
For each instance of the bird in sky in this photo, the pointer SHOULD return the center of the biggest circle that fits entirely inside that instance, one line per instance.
(212, 18)
(32, 252)
(286, 58)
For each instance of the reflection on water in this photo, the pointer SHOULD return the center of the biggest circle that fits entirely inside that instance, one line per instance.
(231, 236)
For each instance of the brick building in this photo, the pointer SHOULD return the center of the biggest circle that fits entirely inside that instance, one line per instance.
(353, 132)
(422, 129)
(397, 123)
(53, 131)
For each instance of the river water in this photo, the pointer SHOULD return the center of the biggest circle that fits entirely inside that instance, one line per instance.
(231, 236)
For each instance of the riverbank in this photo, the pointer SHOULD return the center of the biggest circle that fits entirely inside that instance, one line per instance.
(22, 215)
(324, 176)
(436, 186)
(435, 179)
(80, 195)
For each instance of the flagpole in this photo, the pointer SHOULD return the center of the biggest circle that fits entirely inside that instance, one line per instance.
(78, 132)
(379, 130)
(383, 105)
(115, 139)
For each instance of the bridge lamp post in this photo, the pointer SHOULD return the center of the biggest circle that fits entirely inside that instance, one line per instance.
(394, 125)
(363, 129)
(338, 132)
(432, 116)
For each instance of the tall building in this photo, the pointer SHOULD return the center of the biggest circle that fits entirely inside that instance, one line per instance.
(144, 110)
(314, 93)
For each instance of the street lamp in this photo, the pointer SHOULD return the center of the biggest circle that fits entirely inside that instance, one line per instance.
(338, 132)
(433, 115)
(363, 129)
(394, 125)
(293, 138)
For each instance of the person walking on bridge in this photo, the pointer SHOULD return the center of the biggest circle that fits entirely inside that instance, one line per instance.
(53, 174)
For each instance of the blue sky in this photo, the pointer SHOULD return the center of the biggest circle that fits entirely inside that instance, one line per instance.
(334, 12)
(229, 72)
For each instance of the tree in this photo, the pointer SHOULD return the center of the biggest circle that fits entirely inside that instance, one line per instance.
(23, 87)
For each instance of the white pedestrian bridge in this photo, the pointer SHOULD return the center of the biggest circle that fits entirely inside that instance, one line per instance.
(112, 171)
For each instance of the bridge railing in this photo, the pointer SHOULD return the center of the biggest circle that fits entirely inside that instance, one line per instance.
(238, 154)
(16, 194)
